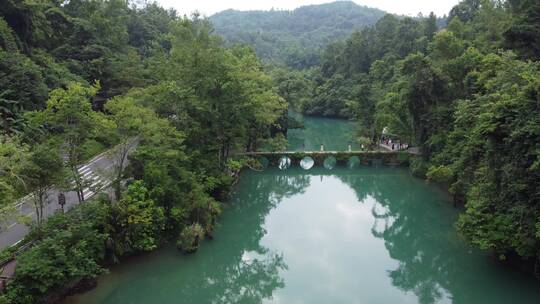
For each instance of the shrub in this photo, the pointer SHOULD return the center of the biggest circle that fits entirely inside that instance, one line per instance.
(365, 142)
(440, 174)
(72, 246)
(138, 221)
(190, 238)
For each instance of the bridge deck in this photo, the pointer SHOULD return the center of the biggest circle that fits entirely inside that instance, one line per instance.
(264, 153)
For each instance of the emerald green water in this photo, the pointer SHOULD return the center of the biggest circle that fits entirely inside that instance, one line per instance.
(366, 235)
(334, 134)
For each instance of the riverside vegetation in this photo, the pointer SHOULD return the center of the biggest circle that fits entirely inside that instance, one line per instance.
(80, 76)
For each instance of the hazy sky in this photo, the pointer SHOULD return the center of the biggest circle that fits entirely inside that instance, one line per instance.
(404, 7)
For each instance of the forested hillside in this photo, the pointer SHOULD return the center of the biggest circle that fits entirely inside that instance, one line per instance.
(468, 94)
(81, 76)
(294, 37)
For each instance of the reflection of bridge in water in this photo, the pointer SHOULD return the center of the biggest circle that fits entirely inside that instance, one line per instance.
(330, 159)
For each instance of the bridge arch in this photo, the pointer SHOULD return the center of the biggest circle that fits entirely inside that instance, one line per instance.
(307, 163)
(354, 162)
(264, 162)
(330, 162)
(284, 163)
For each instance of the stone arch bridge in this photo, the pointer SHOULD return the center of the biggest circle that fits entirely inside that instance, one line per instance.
(390, 158)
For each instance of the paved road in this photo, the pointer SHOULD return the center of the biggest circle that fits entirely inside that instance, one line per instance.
(410, 150)
(13, 232)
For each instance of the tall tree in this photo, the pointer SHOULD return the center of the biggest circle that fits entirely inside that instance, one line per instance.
(430, 26)
(523, 35)
(41, 173)
(465, 10)
(129, 119)
(70, 117)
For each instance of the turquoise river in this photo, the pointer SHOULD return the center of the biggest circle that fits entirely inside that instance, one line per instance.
(372, 235)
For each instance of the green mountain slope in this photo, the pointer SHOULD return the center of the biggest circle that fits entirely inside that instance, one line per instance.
(294, 37)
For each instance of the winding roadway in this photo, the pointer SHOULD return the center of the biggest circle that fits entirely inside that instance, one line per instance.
(12, 232)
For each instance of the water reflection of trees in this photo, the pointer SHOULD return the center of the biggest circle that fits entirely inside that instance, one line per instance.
(334, 134)
(428, 254)
(236, 268)
(412, 219)
(248, 281)
(407, 228)
(260, 195)
(418, 233)
(244, 271)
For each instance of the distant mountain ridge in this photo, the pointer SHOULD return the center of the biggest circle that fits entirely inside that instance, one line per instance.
(294, 37)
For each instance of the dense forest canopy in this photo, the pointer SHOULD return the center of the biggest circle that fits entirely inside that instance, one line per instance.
(294, 38)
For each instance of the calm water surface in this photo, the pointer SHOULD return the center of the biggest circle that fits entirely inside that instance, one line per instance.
(365, 235)
(334, 134)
